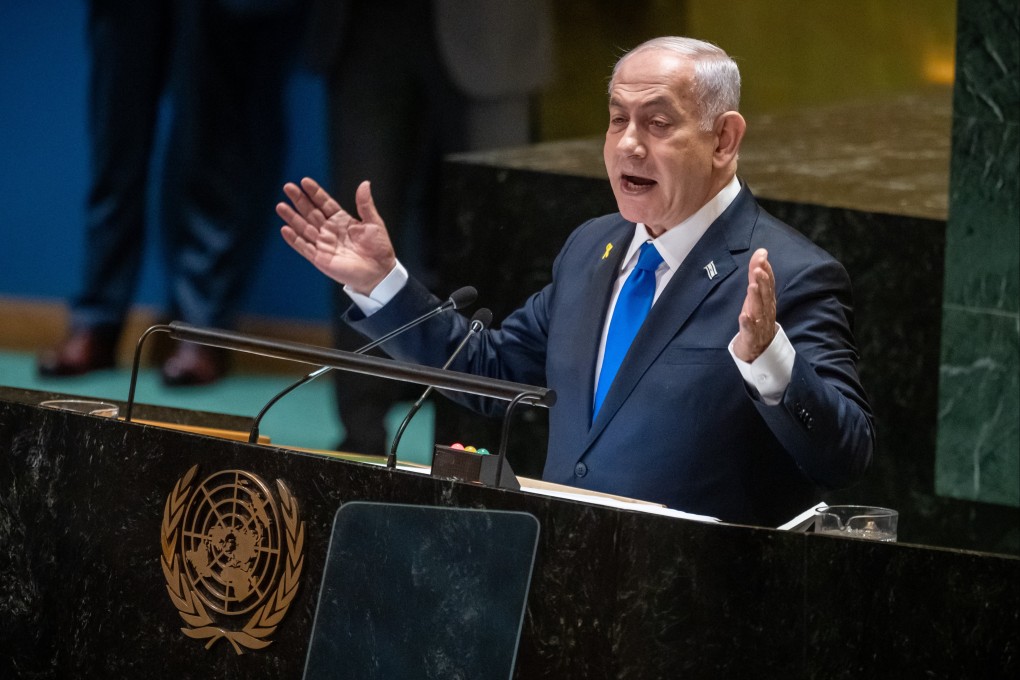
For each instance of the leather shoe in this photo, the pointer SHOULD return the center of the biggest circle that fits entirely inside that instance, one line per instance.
(192, 364)
(84, 350)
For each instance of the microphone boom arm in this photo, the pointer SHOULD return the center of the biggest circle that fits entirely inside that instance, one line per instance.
(457, 300)
(348, 361)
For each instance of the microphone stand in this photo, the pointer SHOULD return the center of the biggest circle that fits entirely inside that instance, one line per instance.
(505, 434)
(481, 319)
(460, 298)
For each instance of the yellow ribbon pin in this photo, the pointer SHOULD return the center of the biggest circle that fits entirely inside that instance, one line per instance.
(609, 246)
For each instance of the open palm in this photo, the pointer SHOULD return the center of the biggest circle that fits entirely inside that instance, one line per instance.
(355, 252)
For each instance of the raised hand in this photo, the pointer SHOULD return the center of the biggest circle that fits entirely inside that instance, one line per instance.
(356, 252)
(758, 316)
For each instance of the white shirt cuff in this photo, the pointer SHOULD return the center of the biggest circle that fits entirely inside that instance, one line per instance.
(770, 373)
(385, 291)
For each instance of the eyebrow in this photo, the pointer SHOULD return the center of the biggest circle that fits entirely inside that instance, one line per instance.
(658, 101)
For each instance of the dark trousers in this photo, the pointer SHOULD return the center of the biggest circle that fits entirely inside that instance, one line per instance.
(225, 71)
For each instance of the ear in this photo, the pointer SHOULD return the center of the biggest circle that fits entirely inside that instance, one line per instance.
(729, 132)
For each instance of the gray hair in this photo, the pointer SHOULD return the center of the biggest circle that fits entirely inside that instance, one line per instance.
(716, 79)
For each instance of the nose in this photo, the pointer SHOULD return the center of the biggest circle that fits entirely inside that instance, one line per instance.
(631, 143)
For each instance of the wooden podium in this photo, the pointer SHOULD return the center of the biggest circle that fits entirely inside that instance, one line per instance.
(134, 551)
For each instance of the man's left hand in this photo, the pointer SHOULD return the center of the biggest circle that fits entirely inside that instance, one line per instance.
(758, 316)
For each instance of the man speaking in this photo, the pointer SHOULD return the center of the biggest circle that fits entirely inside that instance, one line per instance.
(701, 350)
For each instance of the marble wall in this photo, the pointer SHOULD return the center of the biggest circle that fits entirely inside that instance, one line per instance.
(978, 453)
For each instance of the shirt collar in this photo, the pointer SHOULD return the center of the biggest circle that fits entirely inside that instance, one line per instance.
(677, 242)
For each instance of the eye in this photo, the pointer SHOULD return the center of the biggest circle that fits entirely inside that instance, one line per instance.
(661, 124)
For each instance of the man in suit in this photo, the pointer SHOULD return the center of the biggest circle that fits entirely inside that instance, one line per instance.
(738, 395)
(409, 82)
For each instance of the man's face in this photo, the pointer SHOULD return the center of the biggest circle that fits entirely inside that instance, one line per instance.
(660, 163)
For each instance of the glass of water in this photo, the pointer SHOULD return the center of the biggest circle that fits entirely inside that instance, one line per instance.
(88, 406)
(857, 521)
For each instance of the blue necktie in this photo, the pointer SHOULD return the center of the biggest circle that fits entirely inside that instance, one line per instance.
(631, 309)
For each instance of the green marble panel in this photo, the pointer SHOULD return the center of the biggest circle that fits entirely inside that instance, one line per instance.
(978, 446)
(979, 407)
(988, 60)
(983, 238)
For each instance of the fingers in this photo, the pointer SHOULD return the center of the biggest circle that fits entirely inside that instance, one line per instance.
(297, 224)
(761, 289)
(300, 245)
(357, 253)
(757, 319)
(320, 198)
(366, 204)
(311, 202)
(313, 220)
(304, 244)
(304, 237)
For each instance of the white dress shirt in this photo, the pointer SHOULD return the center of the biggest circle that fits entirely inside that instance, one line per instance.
(771, 372)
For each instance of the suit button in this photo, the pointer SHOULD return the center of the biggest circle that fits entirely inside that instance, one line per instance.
(580, 470)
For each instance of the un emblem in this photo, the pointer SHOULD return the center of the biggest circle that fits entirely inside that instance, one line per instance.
(226, 554)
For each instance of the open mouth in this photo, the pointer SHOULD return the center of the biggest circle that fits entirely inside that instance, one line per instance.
(634, 183)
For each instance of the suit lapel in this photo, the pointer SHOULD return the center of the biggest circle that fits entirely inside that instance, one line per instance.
(592, 316)
(708, 264)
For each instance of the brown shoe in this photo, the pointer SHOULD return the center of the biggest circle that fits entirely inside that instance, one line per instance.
(192, 364)
(83, 351)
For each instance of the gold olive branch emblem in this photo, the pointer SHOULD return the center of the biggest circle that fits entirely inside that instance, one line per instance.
(266, 618)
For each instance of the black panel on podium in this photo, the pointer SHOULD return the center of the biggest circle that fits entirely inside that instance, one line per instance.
(422, 592)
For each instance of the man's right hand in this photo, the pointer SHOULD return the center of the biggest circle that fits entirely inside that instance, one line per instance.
(354, 252)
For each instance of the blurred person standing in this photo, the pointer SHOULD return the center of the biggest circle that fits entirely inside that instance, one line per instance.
(224, 65)
(408, 82)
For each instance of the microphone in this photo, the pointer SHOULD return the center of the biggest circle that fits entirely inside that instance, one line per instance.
(460, 298)
(481, 319)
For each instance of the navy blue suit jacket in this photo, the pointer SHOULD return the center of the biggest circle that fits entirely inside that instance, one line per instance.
(679, 425)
